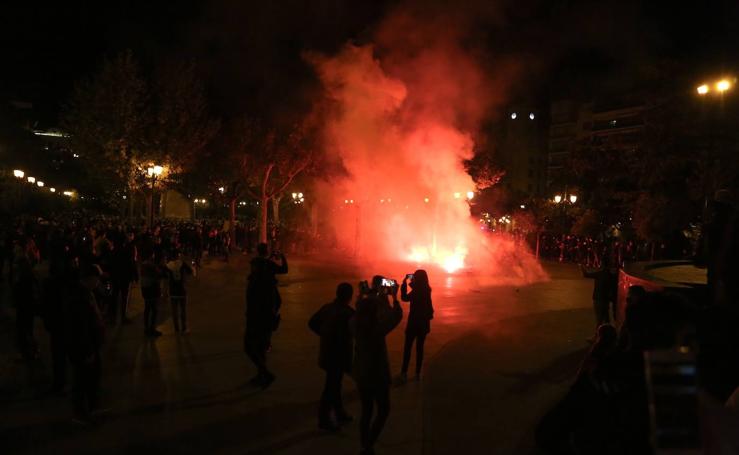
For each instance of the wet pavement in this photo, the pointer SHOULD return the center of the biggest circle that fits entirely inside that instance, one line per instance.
(497, 357)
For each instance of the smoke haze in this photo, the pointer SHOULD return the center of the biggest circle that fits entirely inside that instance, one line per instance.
(405, 112)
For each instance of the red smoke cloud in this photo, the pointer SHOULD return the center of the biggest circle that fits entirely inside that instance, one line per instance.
(405, 113)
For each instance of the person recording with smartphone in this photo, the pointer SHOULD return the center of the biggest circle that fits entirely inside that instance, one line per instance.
(374, 320)
(419, 319)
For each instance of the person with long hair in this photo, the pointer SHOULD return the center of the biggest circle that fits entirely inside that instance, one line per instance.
(419, 319)
(374, 320)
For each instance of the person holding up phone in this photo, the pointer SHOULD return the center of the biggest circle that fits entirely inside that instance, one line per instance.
(419, 319)
(374, 320)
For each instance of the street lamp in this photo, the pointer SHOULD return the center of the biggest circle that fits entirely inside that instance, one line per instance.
(52, 189)
(298, 198)
(720, 86)
(723, 85)
(154, 171)
(31, 180)
(40, 184)
(573, 198)
(470, 195)
(18, 173)
(557, 199)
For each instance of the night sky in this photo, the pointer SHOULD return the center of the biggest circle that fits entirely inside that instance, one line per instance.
(249, 53)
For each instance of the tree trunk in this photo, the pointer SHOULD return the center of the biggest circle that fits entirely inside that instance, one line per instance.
(263, 212)
(131, 204)
(232, 222)
(149, 208)
(276, 209)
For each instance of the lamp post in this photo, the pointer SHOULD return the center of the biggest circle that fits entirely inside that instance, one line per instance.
(153, 171)
(719, 89)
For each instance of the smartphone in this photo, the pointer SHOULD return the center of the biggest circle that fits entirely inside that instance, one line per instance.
(388, 283)
(409, 277)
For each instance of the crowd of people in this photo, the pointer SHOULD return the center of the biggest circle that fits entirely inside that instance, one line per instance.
(92, 266)
(589, 250)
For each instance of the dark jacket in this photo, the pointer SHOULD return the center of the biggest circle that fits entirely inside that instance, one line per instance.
(151, 275)
(371, 365)
(331, 323)
(123, 266)
(84, 330)
(606, 283)
(262, 297)
(421, 310)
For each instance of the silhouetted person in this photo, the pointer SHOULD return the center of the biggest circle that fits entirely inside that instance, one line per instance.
(262, 307)
(374, 319)
(151, 274)
(331, 323)
(25, 286)
(178, 271)
(54, 321)
(419, 319)
(123, 273)
(604, 290)
(84, 332)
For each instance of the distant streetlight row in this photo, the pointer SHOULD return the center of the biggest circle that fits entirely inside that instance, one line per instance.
(20, 175)
(457, 195)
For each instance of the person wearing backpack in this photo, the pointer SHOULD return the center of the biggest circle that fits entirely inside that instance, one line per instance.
(177, 270)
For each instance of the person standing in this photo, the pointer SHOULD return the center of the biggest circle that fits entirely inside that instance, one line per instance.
(262, 310)
(25, 296)
(151, 274)
(178, 270)
(84, 332)
(419, 319)
(123, 273)
(604, 291)
(331, 323)
(374, 319)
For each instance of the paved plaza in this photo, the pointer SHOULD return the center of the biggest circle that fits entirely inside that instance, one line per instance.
(498, 356)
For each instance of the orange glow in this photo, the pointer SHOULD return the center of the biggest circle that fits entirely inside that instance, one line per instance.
(397, 136)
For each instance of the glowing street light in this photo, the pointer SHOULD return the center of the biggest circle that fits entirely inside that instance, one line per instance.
(557, 199)
(31, 179)
(470, 195)
(68, 193)
(155, 171)
(221, 189)
(426, 200)
(18, 174)
(723, 85)
(457, 195)
(702, 89)
(40, 184)
(573, 198)
(52, 189)
(298, 198)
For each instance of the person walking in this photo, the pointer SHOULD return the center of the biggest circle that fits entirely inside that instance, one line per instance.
(374, 320)
(178, 270)
(331, 323)
(84, 331)
(419, 319)
(262, 310)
